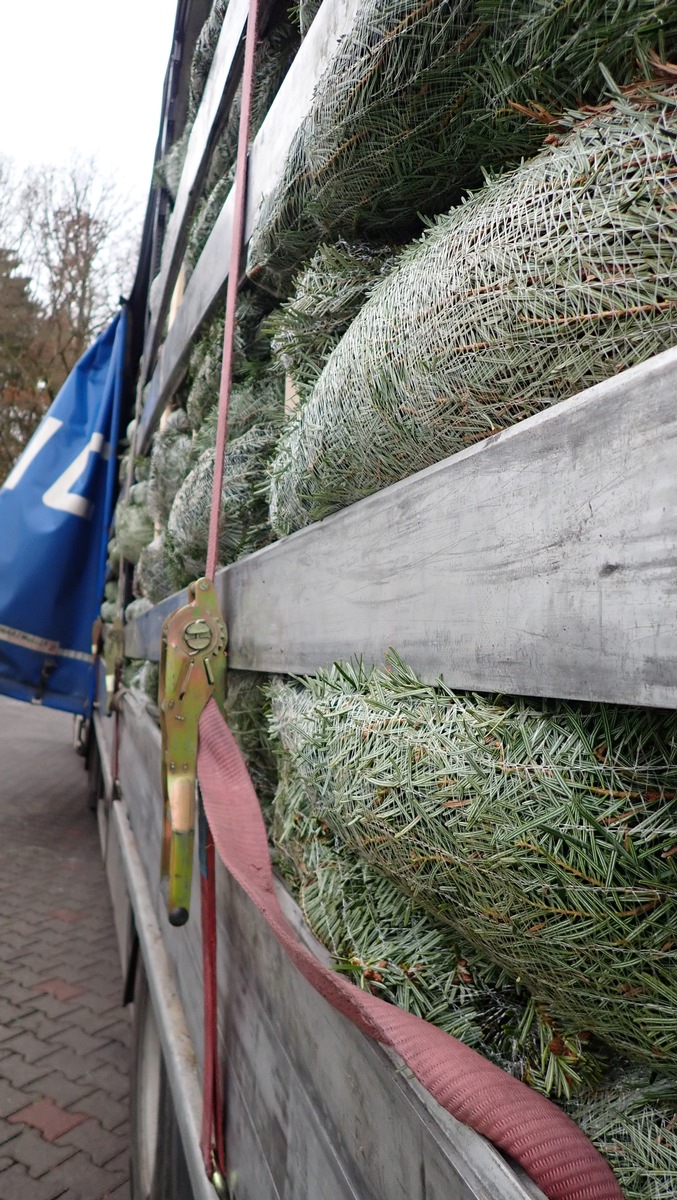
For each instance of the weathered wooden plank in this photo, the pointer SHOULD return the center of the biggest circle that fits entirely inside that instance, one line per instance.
(542, 561)
(267, 159)
(216, 98)
(335, 1116)
(140, 759)
(175, 1039)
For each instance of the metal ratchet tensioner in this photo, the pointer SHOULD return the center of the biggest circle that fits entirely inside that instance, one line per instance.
(192, 670)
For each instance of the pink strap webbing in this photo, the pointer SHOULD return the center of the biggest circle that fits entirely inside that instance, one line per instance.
(552, 1150)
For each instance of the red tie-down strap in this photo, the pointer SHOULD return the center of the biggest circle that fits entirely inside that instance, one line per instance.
(553, 1151)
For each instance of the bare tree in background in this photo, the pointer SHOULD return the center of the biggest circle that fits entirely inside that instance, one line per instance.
(67, 247)
(75, 245)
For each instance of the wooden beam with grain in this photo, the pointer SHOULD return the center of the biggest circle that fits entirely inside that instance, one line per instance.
(541, 561)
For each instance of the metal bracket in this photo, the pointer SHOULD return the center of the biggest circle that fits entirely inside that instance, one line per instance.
(192, 670)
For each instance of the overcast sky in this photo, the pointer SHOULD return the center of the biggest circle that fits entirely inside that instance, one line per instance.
(85, 77)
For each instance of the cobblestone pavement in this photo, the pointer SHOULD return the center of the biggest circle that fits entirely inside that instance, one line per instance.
(63, 1035)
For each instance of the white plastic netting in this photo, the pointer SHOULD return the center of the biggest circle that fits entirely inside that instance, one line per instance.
(152, 577)
(543, 834)
(274, 55)
(169, 460)
(244, 525)
(328, 294)
(422, 95)
(633, 1123)
(395, 949)
(134, 526)
(546, 281)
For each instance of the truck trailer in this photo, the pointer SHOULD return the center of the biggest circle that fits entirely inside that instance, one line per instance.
(535, 561)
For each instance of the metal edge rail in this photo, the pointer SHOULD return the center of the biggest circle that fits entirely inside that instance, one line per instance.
(175, 1040)
(267, 160)
(528, 564)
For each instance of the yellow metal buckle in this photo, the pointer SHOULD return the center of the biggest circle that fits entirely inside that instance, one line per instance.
(192, 669)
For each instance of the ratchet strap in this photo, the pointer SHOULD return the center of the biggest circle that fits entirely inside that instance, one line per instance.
(212, 1139)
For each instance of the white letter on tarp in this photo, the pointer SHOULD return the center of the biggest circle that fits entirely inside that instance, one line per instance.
(59, 495)
(46, 430)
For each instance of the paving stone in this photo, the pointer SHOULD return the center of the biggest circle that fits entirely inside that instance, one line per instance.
(53, 1008)
(84, 1178)
(94, 1022)
(66, 1062)
(48, 1118)
(63, 1034)
(121, 1193)
(63, 1091)
(30, 1047)
(11, 1099)
(83, 1043)
(121, 1160)
(100, 1144)
(18, 993)
(44, 1028)
(66, 914)
(19, 1072)
(37, 1155)
(16, 1184)
(7, 1131)
(105, 1077)
(59, 989)
(8, 1012)
(109, 1112)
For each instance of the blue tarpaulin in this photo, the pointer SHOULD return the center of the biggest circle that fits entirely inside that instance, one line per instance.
(55, 509)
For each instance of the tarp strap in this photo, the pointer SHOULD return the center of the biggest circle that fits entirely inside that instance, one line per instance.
(212, 1103)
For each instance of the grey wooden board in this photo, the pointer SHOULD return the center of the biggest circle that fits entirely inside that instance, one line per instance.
(542, 561)
(314, 1108)
(267, 158)
(140, 757)
(115, 873)
(217, 93)
(170, 1018)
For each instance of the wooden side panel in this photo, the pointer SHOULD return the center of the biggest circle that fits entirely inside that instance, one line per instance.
(542, 561)
(333, 1115)
(115, 873)
(140, 757)
(314, 1109)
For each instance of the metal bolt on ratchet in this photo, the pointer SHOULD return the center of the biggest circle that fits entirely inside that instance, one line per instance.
(192, 670)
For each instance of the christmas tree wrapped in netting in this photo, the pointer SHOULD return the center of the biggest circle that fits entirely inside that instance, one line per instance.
(328, 294)
(250, 362)
(633, 1123)
(548, 280)
(152, 577)
(421, 96)
(203, 54)
(256, 412)
(544, 834)
(307, 11)
(134, 526)
(169, 464)
(274, 55)
(243, 508)
(395, 949)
